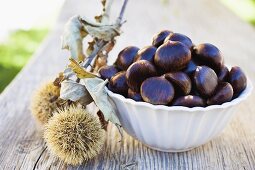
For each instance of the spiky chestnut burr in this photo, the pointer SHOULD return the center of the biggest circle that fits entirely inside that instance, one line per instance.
(45, 101)
(74, 135)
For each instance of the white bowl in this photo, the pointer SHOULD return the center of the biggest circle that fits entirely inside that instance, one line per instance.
(175, 128)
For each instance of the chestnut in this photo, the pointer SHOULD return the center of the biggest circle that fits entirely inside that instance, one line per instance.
(223, 93)
(159, 38)
(189, 101)
(126, 57)
(181, 81)
(181, 38)
(157, 90)
(172, 56)
(146, 53)
(238, 80)
(138, 72)
(106, 72)
(205, 80)
(209, 55)
(190, 68)
(118, 84)
(223, 74)
(134, 95)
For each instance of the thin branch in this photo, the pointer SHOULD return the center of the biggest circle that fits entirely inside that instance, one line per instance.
(100, 44)
(97, 48)
(119, 19)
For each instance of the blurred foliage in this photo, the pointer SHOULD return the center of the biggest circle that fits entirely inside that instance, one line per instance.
(15, 52)
(243, 8)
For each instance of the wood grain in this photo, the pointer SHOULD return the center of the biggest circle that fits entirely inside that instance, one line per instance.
(21, 144)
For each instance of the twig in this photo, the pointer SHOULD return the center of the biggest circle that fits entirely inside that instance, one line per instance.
(97, 48)
(119, 19)
(100, 44)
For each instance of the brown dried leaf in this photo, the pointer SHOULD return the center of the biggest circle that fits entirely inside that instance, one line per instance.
(102, 120)
(90, 47)
(59, 79)
(98, 18)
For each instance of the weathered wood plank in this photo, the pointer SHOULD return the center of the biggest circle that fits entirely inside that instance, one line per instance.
(21, 144)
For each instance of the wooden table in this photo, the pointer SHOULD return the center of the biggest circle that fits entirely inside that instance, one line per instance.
(21, 144)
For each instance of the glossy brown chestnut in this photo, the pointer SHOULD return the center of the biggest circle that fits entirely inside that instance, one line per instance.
(138, 72)
(209, 55)
(181, 38)
(189, 101)
(223, 93)
(118, 84)
(238, 80)
(172, 56)
(190, 68)
(205, 80)
(146, 53)
(159, 38)
(134, 95)
(126, 57)
(106, 72)
(157, 90)
(181, 82)
(223, 74)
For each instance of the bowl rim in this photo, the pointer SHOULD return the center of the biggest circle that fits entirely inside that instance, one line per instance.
(247, 91)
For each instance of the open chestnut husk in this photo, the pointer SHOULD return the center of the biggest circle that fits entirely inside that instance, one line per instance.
(157, 90)
(189, 101)
(223, 93)
(223, 74)
(118, 84)
(134, 95)
(126, 57)
(159, 38)
(146, 53)
(238, 80)
(205, 80)
(172, 56)
(181, 81)
(209, 55)
(181, 38)
(106, 72)
(138, 72)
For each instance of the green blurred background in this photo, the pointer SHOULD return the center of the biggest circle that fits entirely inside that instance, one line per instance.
(20, 42)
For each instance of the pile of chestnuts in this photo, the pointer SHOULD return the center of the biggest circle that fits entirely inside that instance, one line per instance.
(174, 72)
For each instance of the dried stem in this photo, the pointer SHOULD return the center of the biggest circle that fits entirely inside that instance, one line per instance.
(119, 19)
(100, 44)
(97, 48)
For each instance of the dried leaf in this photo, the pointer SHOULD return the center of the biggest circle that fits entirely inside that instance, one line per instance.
(100, 31)
(70, 90)
(79, 70)
(90, 47)
(105, 32)
(96, 88)
(72, 38)
(102, 120)
(59, 79)
(68, 72)
(98, 18)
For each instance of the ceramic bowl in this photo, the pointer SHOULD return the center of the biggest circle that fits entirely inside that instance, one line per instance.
(174, 128)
